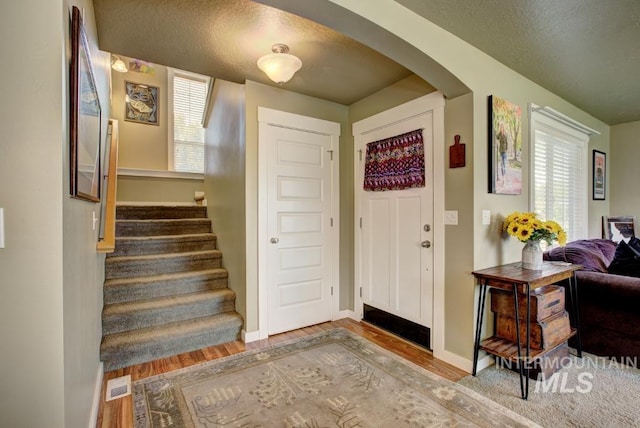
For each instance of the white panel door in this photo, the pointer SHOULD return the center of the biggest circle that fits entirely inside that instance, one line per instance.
(395, 258)
(299, 263)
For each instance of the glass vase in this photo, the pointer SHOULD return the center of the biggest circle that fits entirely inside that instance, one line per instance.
(532, 255)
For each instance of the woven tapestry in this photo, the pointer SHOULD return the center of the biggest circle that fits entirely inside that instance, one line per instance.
(395, 163)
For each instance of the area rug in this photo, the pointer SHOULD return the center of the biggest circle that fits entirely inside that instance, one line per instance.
(588, 392)
(331, 379)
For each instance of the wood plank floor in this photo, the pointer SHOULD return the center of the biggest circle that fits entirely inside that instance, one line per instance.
(119, 413)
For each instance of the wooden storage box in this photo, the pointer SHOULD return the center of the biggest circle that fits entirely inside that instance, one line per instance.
(544, 334)
(545, 302)
(547, 364)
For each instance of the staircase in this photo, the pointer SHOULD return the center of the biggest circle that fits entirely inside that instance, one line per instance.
(165, 290)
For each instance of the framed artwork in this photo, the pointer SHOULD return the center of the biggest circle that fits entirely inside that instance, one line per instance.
(141, 103)
(85, 117)
(599, 175)
(617, 229)
(505, 147)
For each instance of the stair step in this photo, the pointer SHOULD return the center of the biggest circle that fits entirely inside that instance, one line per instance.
(143, 245)
(139, 314)
(147, 344)
(157, 264)
(147, 212)
(122, 290)
(162, 227)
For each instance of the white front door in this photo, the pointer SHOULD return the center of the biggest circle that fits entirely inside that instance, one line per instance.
(394, 229)
(300, 227)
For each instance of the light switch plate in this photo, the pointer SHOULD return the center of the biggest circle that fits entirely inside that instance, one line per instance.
(451, 217)
(1, 227)
(486, 217)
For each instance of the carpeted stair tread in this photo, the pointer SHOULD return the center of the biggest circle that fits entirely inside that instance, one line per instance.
(157, 244)
(138, 314)
(156, 264)
(165, 290)
(147, 344)
(120, 290)
(134, 212)
(162, 227)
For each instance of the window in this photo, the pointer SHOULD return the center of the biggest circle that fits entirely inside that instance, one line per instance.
(187, 99)
(560, 171)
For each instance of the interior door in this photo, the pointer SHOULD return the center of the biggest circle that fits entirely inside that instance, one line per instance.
(395, 262)
(300, 267)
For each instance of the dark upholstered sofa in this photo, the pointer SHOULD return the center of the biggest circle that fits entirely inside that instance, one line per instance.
(609, 304)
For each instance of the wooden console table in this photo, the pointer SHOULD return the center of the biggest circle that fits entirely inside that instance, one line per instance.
(514, 278)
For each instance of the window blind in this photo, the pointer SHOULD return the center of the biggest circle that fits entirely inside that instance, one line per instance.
(189, 98)
(560, 176)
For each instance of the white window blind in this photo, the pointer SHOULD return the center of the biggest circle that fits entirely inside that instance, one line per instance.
(189, 98)
(560, 175)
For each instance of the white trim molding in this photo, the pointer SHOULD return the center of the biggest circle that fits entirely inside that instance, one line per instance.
(159, 173)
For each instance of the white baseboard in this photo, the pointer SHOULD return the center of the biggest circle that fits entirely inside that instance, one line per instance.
(252, 336)
(347, 313)
(97, 391)
(463, 363)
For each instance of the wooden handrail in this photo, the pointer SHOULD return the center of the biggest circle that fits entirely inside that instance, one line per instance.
(108, 243)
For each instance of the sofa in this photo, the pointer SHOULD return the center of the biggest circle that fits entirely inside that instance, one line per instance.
(609, 303)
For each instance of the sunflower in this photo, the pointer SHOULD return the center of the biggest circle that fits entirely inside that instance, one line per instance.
(528, 227)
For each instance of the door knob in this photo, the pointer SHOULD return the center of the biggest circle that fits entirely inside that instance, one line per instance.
(426, 244)
(274, 240)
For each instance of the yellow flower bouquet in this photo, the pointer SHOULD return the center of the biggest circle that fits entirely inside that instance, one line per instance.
(528, 227)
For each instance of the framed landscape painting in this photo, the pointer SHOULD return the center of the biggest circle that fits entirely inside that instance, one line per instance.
(505, 147)
(619, 228)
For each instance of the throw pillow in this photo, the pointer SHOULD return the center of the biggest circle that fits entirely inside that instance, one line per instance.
(627, 258)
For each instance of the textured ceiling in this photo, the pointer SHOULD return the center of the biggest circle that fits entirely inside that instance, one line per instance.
(586, 51)
(225, 38)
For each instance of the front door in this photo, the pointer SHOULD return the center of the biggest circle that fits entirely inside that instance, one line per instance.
(300, 227)
(395, 228)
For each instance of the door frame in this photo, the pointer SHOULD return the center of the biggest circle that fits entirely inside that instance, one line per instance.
(270, 117)
(433, 103)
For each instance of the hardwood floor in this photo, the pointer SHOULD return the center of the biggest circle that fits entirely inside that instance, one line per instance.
(119, 412)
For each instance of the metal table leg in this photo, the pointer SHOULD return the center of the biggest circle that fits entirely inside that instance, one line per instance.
(479, 317)
(575, 308)
(520, 365)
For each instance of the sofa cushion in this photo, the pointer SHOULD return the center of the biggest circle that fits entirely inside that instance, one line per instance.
(593, 254)
(627, 258)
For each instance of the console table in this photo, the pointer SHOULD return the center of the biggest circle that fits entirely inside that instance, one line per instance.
(514, 277)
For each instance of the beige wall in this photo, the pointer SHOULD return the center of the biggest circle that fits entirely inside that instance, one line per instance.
(50, 302)
(225, 182)
(142, 146)
(623, 165)
(279, 99)
(154, 189)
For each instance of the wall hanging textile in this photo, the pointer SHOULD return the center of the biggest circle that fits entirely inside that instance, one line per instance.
(395, 163)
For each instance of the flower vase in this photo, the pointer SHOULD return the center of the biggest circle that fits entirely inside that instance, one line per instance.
(532, 255)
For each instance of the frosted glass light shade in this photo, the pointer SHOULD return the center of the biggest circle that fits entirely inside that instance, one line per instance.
(280, 67)
(118, 65)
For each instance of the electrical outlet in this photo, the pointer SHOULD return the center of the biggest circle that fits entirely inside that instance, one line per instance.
(486, 217)
(451, 217)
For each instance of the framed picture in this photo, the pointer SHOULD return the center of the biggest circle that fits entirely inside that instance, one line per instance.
(599, 175)
(618, 228)
(141, 103)
(505, 147)
(85, 117)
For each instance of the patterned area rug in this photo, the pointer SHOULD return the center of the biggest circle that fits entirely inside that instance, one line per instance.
(331, 379)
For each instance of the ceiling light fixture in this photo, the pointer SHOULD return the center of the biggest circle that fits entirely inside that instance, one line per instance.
(280, 66)
(118, 65)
